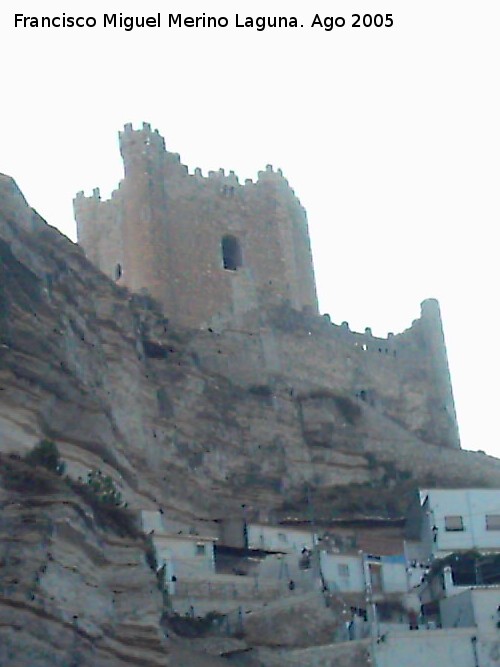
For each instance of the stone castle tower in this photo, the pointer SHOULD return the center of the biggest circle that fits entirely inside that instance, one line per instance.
(201, 246)
(211, 250)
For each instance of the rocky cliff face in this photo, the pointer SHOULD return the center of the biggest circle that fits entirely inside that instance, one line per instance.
(182, 420)
(178, 417)
(71, 592)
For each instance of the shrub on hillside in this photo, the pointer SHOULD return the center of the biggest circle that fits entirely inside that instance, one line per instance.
(101, 494)
(46, 455)
(16, 475)
(104, 488)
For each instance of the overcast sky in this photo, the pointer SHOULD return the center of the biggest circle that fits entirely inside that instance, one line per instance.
(389, 136)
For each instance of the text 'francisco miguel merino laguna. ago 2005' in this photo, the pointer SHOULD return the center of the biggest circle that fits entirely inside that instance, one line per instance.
(259, 23)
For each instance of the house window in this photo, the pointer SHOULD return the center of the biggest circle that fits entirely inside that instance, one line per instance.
(493, 522)
(343, 570)
(231, 253)
(201, 549)
(453, 523)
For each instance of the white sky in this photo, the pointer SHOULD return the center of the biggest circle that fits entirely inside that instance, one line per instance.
(390, 137)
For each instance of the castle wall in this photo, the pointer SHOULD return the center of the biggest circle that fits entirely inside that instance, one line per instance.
(164, 228)
(404, 377)
(99, 231)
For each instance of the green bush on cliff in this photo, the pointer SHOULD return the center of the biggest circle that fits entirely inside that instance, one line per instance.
(104, 488)
(46, 454)
(109, 510)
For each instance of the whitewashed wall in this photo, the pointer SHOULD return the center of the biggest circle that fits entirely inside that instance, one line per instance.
(477, 607)
(278, 538)
(181, 554)
(472, 505)
(334, 565)
(446, 648)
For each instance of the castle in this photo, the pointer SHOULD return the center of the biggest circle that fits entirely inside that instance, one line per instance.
(211, 250)
(200, 246)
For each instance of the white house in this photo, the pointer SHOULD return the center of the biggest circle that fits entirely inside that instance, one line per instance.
(185, 556)
(449, 520)
(351, 573)
(342, 572)
(184, 553)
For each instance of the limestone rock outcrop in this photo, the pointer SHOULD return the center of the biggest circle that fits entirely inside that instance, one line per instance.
(71, 591)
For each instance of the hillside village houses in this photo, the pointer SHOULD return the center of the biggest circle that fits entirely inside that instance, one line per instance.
(229, 564)
(425, 590)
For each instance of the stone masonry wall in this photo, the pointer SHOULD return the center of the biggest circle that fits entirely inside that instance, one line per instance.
(405, 377)
(164, 227)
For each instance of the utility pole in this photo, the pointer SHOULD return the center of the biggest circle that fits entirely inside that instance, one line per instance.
(316, 553)
(478, 574)
(371, 609)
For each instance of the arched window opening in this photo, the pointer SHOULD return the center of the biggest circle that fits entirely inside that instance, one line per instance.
(118, 271)
(231, 253)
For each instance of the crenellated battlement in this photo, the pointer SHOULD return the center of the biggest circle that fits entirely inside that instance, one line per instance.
(424, 332)
(143, 138)
(95, 196)
(137, 145)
